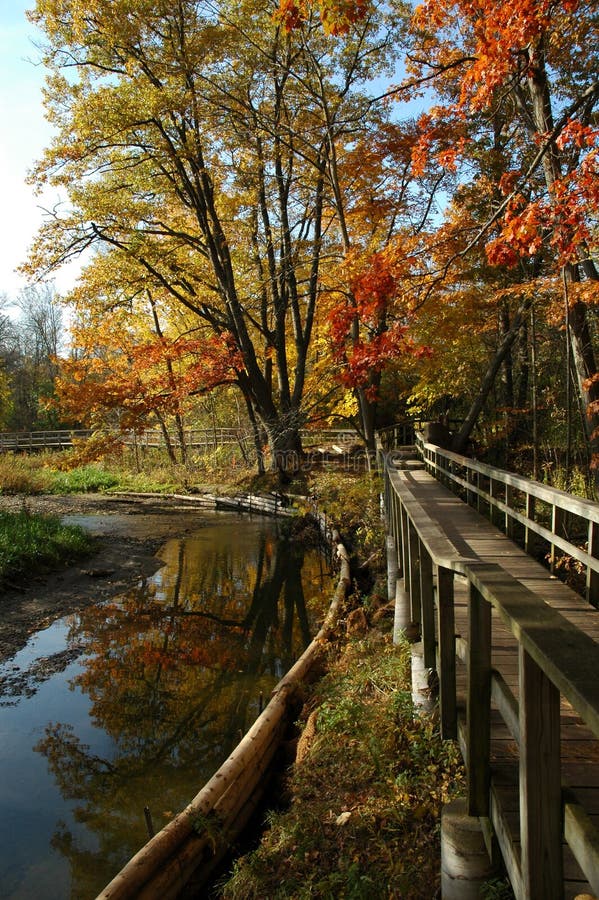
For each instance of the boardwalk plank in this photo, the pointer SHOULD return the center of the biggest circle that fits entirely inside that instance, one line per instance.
(470, 536)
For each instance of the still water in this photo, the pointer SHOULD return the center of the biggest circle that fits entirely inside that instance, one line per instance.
(135, 702)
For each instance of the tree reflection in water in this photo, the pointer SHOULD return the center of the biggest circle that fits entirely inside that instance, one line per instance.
(174, 670)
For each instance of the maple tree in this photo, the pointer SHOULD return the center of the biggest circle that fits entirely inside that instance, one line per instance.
(125, 370)
(522, 70)
(514, 85)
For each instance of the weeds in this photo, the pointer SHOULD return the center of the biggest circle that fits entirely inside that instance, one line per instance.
(354, 503)
(32, 543)
(367, 798)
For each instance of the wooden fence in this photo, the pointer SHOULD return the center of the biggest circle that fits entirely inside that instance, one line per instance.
(199, 439)
(544, 520)
(556, 659)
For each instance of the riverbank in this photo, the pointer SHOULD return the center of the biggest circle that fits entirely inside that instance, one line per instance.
(365, 794)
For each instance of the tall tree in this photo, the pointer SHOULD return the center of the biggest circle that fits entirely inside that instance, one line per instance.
(529, 70)
(526, 74)
(196, 140)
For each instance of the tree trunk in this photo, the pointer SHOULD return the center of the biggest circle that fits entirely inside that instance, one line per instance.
(255, 433)
(285, 445)
(582, 347)
(167, 439)
(461, 438)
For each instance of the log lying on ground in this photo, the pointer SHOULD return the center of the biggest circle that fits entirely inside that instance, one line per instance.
(201, 833)
(263, 504)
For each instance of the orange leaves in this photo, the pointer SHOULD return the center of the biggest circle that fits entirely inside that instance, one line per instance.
(494, 32)
(576, 134)
(520, 234)
(121, 373)
(563, 219)
(442, 140)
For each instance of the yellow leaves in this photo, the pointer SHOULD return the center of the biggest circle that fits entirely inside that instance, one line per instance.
(584, 292)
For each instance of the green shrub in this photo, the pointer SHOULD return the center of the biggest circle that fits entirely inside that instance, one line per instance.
(84, 479)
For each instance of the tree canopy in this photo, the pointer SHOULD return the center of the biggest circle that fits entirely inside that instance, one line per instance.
(267, 213)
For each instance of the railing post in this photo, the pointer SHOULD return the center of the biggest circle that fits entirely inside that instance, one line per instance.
(427, 605)
(396, 531)
(478, 718)
(493, 512)
(540, 783)
(414, 553)
(447, 665)
(509, 500)
(405, 549)
(592, 587)
(392, 569)
(471, 496)
(557, 522)
(530, 515)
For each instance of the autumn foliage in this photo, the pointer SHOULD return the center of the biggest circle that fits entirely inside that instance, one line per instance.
(319, 197)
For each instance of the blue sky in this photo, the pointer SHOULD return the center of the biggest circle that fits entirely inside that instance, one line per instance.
(23, 136)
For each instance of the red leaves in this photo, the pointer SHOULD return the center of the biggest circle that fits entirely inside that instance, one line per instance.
(136, 379)
(369, 326)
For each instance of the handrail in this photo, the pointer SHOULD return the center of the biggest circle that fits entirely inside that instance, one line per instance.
(556, 659)
(37, 440)
(514, 503)
(153, 437)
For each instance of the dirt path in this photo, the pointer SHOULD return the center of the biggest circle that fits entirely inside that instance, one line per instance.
(129, 534)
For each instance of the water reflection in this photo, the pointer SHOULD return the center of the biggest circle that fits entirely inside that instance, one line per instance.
(172, 673)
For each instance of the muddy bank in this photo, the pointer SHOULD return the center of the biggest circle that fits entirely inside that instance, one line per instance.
(127, 536)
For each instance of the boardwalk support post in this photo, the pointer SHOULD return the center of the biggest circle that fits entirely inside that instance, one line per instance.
(422, 695)
(465, 863)
(402, 623)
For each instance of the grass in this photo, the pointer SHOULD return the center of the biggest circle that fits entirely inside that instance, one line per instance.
(62, 473)
(366, 798)
(33, 543)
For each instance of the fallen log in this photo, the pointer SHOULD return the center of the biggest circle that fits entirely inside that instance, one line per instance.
(198, 837)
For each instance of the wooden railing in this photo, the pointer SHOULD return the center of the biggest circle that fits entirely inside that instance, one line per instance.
(544, 520)
(556, 660)
(195, 438)
(40, 440)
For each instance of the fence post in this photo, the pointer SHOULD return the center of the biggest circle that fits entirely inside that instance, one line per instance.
(557, 522)
(592, 587)
(530, 515)
(427, 605)
(447, 664)
(494, 513)
(478, 716)
(414, 554)
(540, 783)
(509, 521)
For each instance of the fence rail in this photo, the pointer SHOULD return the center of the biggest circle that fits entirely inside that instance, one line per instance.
(556, 660)
(541, 518)
(194, 438)
(40, 440)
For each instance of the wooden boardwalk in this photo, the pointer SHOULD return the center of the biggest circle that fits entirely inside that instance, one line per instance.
(459, 531)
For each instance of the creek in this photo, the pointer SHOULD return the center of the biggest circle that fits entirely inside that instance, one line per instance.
(133, 703)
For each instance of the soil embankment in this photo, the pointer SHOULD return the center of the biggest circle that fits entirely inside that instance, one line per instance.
(128, 535)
